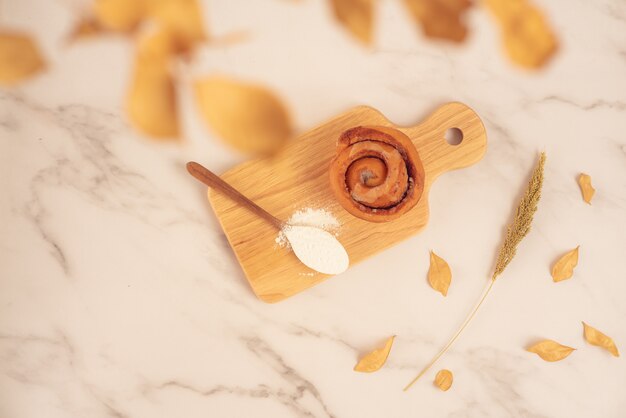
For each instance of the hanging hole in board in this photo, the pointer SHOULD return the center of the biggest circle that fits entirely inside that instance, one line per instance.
(453, 136)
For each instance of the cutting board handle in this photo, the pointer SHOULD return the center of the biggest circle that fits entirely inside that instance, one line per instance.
(430, 138)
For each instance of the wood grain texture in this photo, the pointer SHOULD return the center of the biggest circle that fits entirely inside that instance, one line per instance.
(297, 178)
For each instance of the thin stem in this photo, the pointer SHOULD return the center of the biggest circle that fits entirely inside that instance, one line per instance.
(468, 319)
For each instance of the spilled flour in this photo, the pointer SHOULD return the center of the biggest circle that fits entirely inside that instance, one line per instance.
(320, 218)
(309, 233)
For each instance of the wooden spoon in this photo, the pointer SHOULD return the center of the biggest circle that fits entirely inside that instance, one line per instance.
(211, 179)
(315, 247)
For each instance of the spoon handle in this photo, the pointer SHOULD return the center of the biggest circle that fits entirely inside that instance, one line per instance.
(212, 180)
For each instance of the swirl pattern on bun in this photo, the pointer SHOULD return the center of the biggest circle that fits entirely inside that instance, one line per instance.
(377, 174)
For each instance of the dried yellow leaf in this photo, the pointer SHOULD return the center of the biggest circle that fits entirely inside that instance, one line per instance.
(183, 18)
(228, 39)
(563, 269)
(444, 379)
(248, 117)
(151, 101)
(595, 337)
(550, 350)
(158, 45)
(584, 181)
(86, 28)
(528, 38)
(357, 16)
(440, 19)
(376, 359)
(119, 15)
(19, 57)
(439, 274)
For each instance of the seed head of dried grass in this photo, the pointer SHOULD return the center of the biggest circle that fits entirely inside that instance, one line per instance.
(520, 226)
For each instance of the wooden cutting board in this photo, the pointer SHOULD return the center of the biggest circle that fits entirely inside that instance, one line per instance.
(297, 178)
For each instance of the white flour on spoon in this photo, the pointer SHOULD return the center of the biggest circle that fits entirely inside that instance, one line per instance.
(317, 248)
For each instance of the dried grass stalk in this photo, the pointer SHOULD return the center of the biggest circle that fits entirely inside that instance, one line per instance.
(518, 229)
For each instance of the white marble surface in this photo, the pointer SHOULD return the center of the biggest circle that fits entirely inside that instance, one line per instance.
(119, 296)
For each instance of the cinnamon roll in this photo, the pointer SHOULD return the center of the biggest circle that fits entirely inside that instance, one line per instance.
(377, 174)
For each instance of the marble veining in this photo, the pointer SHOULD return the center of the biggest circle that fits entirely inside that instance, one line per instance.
(297, 394)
